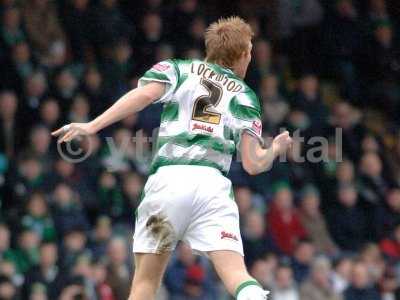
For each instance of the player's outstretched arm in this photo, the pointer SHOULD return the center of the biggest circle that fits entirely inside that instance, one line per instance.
(255, 158)
(130, 103)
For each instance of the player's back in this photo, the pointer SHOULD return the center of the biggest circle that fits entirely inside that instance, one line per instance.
(206, 107)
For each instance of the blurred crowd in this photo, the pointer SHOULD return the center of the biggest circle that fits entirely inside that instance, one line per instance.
(323, 225)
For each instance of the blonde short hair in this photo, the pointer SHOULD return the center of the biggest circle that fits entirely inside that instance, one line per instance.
(226, 40)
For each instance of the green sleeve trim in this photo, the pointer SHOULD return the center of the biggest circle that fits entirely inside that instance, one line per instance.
(244, 285)
(152, 75)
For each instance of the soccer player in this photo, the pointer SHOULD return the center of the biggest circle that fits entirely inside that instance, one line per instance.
(208, 113)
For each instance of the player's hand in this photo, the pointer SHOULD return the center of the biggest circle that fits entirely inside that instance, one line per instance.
(281, 143)
(71, 131)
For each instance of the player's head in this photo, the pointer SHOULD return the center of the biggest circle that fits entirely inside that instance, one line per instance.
(228, 43)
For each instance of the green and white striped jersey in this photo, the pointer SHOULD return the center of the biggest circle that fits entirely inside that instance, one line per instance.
(206, 108)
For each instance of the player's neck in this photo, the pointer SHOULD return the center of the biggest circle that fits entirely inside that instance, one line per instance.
(235, 68)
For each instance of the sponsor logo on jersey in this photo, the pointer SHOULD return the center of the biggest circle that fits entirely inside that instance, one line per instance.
(160, 67)
(203, 127)
(257, 127)
(228, 235)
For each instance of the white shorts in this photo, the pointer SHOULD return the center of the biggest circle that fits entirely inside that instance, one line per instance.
(193, 204)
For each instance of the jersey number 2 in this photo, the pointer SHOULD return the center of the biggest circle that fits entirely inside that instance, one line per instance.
(202, 105)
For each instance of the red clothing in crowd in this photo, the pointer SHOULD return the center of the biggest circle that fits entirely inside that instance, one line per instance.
(104, 292)
(390, 248)
(285, 228)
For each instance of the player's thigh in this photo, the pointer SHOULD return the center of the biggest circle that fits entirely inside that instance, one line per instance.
(150, 267)
(230, 267)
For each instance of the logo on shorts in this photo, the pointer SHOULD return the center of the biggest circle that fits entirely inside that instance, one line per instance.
(228, 235)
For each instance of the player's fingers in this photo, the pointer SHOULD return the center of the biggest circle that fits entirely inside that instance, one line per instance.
(66, 137)
(74, 133)
(58, 132)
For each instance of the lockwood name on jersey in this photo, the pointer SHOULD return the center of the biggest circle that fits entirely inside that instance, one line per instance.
(206, 72)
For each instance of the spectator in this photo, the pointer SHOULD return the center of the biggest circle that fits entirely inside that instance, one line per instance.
(101, 236)
(308, 100)
(275, 107)
(103, 289)
(9, 124)
(74, 244)
(27, 252)
(132, 186)
(297, 30)
(4, 241)
(30, 176)
(318, 287)
(7, 289)
(49, 113)
(148, 39)
(80, 110)
(65, 89)
(302, 259)
(187, 277)
(35, 92)
(388, 214)
(42, 25)
(108, 24)
(314, 222)
(283, 221)
(243, 198)
(38, 219)
(361, 286)
(93, 88)
(76, 19)
(342, 42)
(117, 67)
(19, 67)
(12, 32)
(262, 63)
(348, 221)
(390, 246)
(47, 273)
(255, 241)
(284, 287)
(67, 211)
(371, 256)
(118, 275)
(264, 268)
(384, 56)
(341, 274)
(347, 118)
(373, 186)
(39, 146)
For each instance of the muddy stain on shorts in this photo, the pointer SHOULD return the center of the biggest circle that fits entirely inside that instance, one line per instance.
(162, 231)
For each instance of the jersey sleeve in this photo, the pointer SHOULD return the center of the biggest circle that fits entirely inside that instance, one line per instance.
(166, 72)
(246, 114)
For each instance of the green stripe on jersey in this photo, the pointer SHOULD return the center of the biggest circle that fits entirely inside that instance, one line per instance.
(162, 161)
(242, 111)
(187, 140)
(170, 112)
